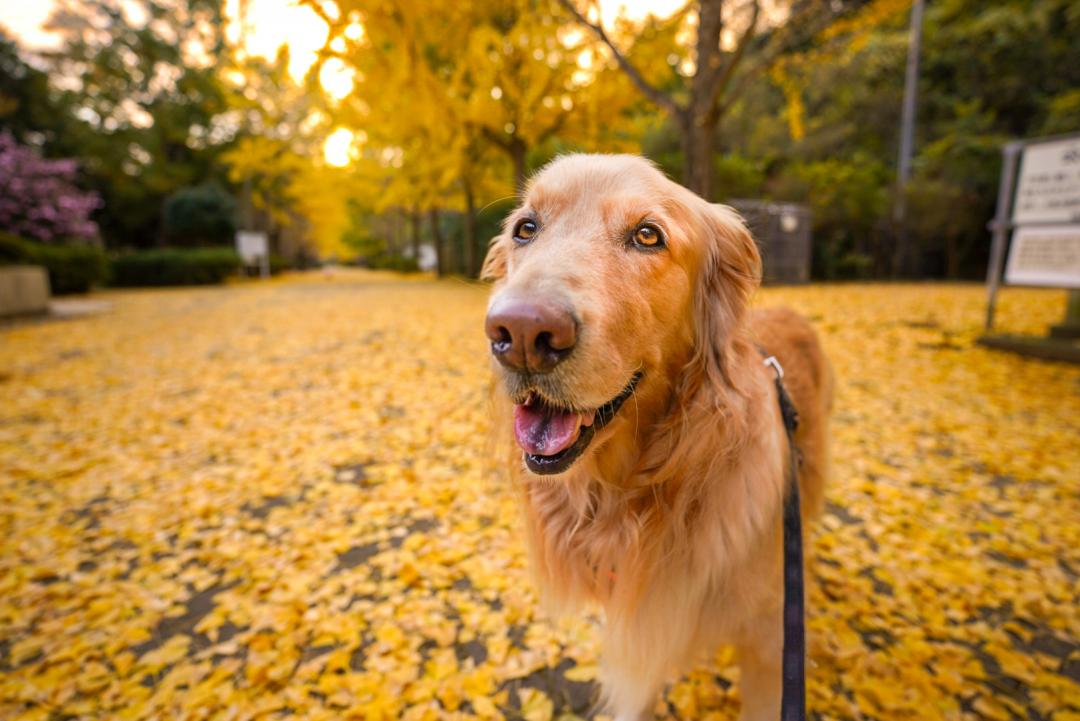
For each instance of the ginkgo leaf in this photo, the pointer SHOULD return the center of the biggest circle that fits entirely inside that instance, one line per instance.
(535, 705)
(167, 654)
(587, 672)
(280, 495)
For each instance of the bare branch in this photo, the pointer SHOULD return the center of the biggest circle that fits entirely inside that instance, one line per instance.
(722, 79)
(653, 93)
(553, 129)
(495, 138)
(807, 22)
(319, 10)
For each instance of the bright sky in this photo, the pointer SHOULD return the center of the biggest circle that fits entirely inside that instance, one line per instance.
(272, 23)
(277, 21)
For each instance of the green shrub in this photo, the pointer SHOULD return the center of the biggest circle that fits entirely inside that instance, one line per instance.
(202, 215)
(387, 261)
(848, 198)
(736, 176)
(278, 263)
(1061, 113)
(13, 250)
(175, 266)
(71, 268)
(358, 238)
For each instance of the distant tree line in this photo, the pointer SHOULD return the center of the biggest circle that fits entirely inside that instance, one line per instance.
(158, 110)
(185, 136)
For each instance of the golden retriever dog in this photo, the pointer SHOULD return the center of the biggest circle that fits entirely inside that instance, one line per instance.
(651, 455)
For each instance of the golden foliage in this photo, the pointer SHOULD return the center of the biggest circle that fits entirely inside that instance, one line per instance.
(841, 39)
(486, 84)
(795, 109)
(292, 189)
(273, 501)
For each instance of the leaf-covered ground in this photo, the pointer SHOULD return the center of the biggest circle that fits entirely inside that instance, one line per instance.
(268, 501)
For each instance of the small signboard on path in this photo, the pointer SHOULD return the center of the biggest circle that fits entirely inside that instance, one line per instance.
(1049, 187)
(253, 247)
(1038, 223)
(1046, 255)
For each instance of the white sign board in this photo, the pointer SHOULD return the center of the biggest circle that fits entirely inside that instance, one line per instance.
(1049, 183)
(427, 260)
(252, 246)
(1045, 255)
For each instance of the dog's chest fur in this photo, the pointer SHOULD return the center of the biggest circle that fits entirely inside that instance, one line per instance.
(592, 541)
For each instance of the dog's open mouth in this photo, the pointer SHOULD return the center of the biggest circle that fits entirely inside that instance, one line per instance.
(553, 438)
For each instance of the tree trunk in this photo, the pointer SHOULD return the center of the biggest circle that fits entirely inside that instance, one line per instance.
(381, 227)
(388, 228)
(437, 239)
(952, 257)
(517, 152)
(699, 140)
(471, 268)
(396, 217)
(702, 115)
(249, 204)
(709, 95)
(414, 233)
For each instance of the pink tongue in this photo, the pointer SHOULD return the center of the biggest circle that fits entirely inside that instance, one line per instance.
(543, 433)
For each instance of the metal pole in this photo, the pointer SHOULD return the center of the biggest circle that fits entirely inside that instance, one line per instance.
(1000, 226)
(1069, 327)
(907, 133)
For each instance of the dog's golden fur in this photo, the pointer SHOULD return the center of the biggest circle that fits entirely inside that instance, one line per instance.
(671, 518)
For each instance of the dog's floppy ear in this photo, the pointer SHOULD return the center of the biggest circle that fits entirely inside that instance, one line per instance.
(730, 273)
(494, 268)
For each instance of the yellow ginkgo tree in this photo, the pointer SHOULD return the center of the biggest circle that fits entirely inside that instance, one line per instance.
(719, 48)
(287, 187)
(455, 100)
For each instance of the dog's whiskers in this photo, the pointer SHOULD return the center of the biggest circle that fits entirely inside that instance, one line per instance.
(497, 200)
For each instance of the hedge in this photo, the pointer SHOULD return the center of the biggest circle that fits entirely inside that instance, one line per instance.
(71, 268)
(279, 264)
(175, 266)
(387, 261)
(199, 216)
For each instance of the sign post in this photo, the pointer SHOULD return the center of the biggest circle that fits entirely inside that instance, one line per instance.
(1070, 327)
(254, 249)
(1000, 228)
(1039, 207)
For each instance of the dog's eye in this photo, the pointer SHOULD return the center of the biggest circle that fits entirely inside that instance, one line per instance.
(524, 231)
(648, 236)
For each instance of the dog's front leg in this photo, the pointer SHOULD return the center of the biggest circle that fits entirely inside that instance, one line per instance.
(630, 693)
(641, 652)
(760, 660)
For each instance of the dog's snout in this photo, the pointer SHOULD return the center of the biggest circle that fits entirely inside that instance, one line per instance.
(530, 335)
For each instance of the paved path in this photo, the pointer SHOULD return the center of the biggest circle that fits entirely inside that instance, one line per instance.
(270, 501)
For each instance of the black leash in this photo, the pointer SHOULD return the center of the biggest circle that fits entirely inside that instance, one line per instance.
(793, 700)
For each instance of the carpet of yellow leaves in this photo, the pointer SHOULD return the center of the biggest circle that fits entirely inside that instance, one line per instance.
(268, 501)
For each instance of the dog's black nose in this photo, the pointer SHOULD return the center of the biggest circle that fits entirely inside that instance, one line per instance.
(530, 335)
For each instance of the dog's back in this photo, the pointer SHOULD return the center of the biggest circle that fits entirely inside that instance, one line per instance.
(808, 378)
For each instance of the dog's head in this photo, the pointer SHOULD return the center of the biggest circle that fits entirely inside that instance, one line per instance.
(614, 287)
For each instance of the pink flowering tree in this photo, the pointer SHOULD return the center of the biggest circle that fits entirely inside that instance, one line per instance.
(39, 199)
